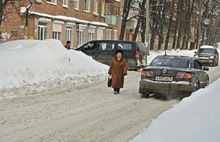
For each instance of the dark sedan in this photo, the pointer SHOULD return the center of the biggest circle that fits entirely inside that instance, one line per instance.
(168, 74)
(207, 55)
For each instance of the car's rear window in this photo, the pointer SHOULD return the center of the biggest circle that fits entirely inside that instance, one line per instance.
(206, 50)
(170, 62)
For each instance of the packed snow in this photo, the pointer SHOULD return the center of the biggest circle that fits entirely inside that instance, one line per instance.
(37, 66)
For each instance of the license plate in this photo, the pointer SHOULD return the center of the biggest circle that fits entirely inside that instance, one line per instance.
(163, 78)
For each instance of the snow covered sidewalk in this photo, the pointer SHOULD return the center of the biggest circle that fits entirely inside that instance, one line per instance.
(195, 119)
(31, 66)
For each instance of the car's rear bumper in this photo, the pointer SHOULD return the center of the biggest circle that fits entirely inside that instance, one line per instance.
(165, 87)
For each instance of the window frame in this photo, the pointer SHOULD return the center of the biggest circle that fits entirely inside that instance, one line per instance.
(69, 34)
(52, 2)
(65, 3)
(95, 7)
(44, 26)
(86, 6)
(76, 4)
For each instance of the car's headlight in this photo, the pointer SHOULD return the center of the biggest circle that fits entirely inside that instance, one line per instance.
(212, 57)
(196, 56)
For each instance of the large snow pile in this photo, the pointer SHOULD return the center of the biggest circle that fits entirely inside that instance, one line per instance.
(32, 66)
(195, 119)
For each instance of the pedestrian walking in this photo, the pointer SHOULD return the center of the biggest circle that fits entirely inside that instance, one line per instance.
(67, 46)
(118, 69)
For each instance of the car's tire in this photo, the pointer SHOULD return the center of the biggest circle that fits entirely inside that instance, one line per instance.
(214, 63)
(145, 95)
(197, 85)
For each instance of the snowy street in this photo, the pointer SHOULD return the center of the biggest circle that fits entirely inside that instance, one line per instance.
(63, 96)
(88, 113)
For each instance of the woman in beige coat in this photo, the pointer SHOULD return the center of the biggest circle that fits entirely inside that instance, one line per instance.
(118, 69)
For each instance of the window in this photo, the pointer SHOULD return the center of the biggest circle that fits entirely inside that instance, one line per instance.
(107, 46)
(125, 46)
(91, 33)
(52, 1)
(112, 9)
(81, 37)
(76, 4)
(57, 35)
(65, 3)
(69, 34)
(108, 34)
(95, 8)
(115, 34)
(90, 46)
(57, 30)
(86, 5)
(100, 34)
(103, 9)
(197, 65)
(42, 31)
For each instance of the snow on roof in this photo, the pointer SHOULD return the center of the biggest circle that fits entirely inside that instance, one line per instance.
(66, 18)
(207, 46)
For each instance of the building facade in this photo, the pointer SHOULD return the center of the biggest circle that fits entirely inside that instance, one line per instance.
(77, 21)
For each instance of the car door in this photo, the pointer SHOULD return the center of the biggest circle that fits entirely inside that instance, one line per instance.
(202, 76)
(105, 52)
(90, 49)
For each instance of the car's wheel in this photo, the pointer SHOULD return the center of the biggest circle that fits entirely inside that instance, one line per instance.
(145, 95)
(214, 63)
(197, 85)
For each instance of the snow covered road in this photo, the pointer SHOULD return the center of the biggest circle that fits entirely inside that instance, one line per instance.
(82, 114)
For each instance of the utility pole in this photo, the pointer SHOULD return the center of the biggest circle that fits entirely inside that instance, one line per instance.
(200, 18)
(147, 25)
(26, 25)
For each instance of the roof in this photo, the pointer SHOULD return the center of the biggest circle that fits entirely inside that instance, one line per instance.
(175, 56)
(70, 19)
(207, 46)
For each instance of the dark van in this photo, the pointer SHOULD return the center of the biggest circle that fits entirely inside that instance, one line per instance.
(103, 51)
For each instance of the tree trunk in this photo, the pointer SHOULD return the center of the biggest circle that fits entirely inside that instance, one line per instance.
(169, 27)
(126, 9)
(2, 8)
(137, 29)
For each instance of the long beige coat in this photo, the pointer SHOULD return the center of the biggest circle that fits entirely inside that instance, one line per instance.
(118, 69)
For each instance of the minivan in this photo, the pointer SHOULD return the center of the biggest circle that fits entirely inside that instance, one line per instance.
(103, 51)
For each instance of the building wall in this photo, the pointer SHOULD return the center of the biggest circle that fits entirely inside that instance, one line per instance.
(16, 21)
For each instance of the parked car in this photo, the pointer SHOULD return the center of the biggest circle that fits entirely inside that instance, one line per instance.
(169, 74)
(207, 55)
(103, 51)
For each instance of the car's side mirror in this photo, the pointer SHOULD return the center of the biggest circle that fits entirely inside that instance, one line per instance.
(206, 68)
(195, 52)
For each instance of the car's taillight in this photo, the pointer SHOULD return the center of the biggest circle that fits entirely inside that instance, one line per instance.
(184, 75)
(147, 73)
(137, 53)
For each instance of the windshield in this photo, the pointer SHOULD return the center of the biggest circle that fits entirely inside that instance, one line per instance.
(206, 51)
(171, 62)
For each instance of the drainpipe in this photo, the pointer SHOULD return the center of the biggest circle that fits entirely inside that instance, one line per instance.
(26, 26)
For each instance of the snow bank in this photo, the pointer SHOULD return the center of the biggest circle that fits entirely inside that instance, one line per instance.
(32, 66)
(195, 119)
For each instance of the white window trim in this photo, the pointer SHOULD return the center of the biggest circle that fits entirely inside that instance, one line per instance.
(44, 20)
(53, 3)
(95, 8)
(65, 5)
(87, 10)
(70, 24)
(77, 6)
(58, 22)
